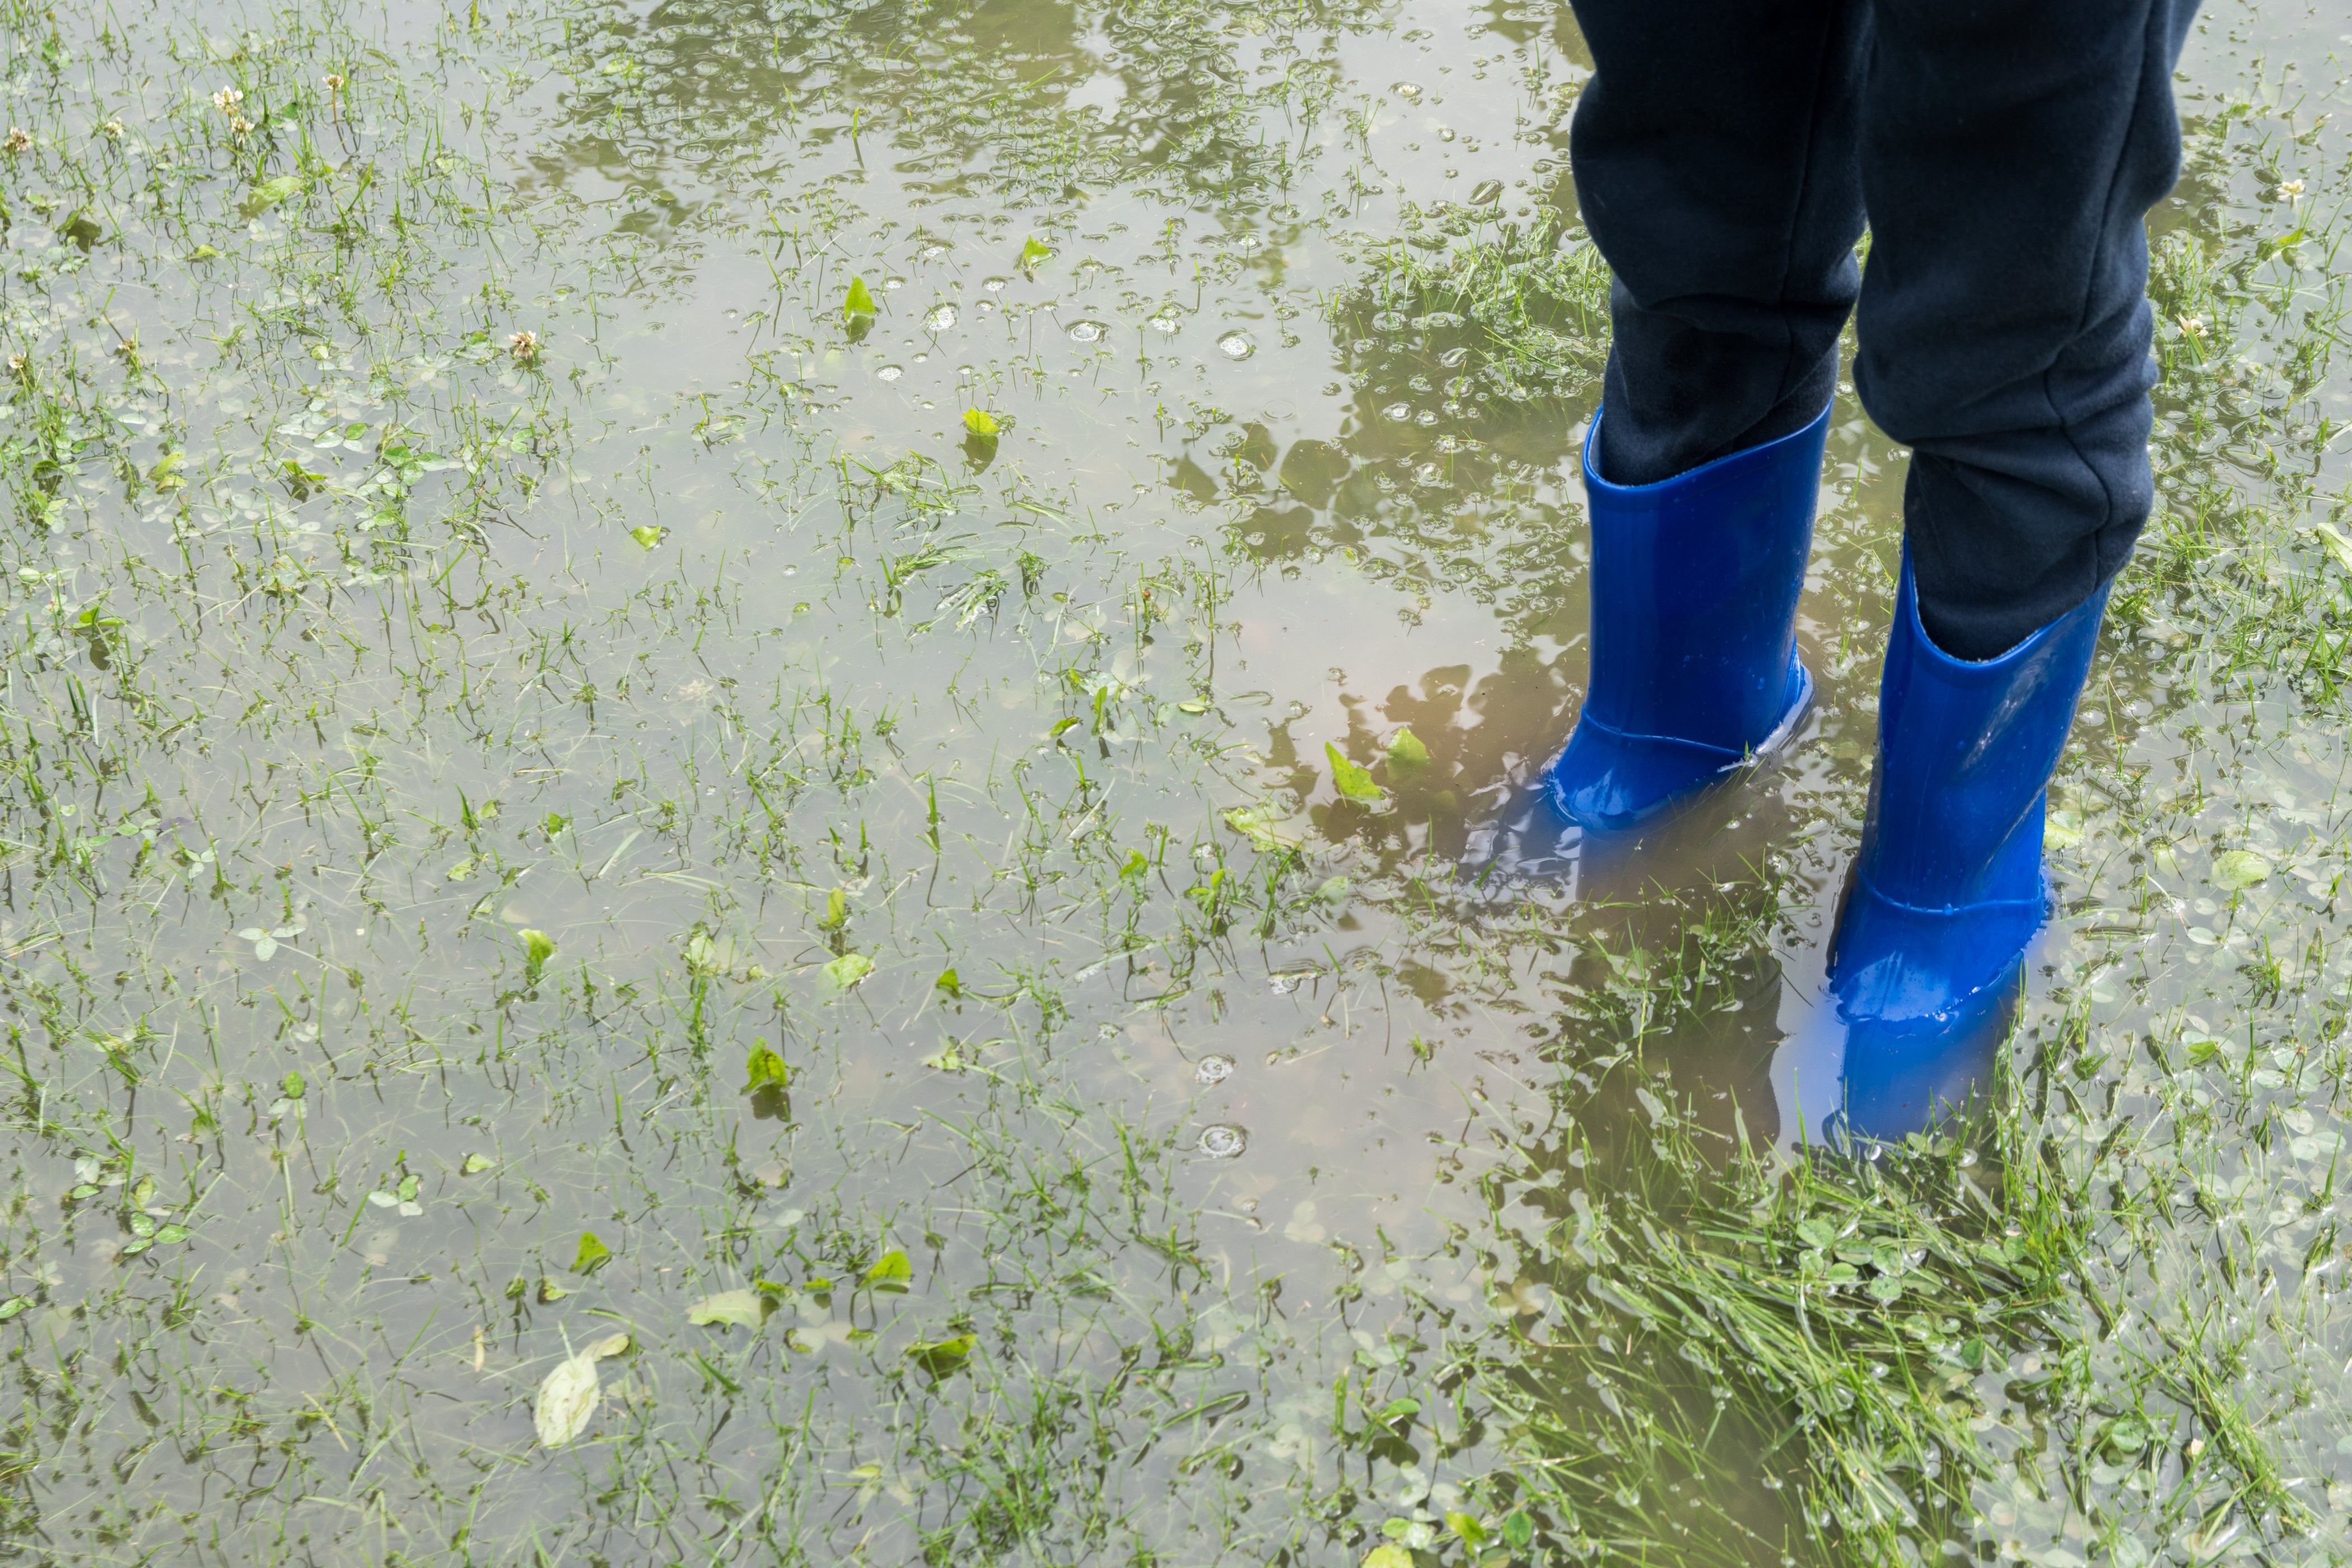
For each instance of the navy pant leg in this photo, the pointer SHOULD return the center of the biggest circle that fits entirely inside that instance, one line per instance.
(2007, 151)
(1714, 153)
(2011, 151)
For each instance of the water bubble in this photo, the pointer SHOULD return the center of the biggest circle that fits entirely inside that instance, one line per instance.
(1408, 89)
(889, 372)
(890, 283)
(1249, 244)
(1428, 474)
(996, 285)
(1236, 344)
(1166, 325)
(1389, 321)
(1426, 417)
(1452, 358)
(932, 252)
(941, 318)
(1397, 411)
(1213, 1070)
(1088, 332)
(1223, 1141)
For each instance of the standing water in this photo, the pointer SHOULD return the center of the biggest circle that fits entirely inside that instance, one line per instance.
(760, 783)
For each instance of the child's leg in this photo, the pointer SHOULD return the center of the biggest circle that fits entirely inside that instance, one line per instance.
(1714, 161)
(2010, 151)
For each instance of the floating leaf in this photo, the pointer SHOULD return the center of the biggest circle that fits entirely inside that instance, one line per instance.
(1389, 1555)
(1354, 783)
(739, 1307)
(981, 423)
(538, 947)
(1473, 1533)
(848, 970)
(2236, 869)
(475, 1165)
(2338, 544)
(269, 193)
(13, 1305)
(567, 1396)
(1034, 254)
(860, 301)
(648, 535)
(593, 1254)
(950, 981)
(767, 1071)
(890, 1273)
(292, 1085)
(943, 1358)
(1518, 1531)
(1406, 752)
(1256, 823)
(170, 1233)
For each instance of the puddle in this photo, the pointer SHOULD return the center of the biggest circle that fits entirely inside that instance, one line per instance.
(674, 669)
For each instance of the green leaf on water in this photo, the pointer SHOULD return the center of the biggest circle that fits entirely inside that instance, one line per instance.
(981, 423)
(1034, 254)
(890, 1273)
(860, 301)
(1390, 1555)
(1518, 1531)
(766, 1069)
(848, 970)
(2337, 543)
(269, 193)
(292, 1085)
(13, 1305)
(950, 981)
(134, 1249)
(538, 947)
(204, 253)
(648, 535)
(1473, 1533)
(2237, 869)
(1256, 823)
(1354, 783)
(170, 1233)
(1406, 752)
(742, 1308)
(475, 1165)
(593, 1254)
(943, 1358)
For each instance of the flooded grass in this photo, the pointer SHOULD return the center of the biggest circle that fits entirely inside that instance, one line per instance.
(757, 796)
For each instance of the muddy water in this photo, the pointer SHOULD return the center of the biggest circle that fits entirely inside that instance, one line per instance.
(908, 753)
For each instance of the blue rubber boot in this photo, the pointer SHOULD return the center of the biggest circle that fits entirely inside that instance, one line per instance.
(1695, 583)
(1929, 951)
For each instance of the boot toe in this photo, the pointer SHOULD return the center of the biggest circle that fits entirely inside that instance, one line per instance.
(1896, 964)
(1607, 780)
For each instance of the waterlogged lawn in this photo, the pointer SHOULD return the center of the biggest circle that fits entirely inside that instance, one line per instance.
(759, 778)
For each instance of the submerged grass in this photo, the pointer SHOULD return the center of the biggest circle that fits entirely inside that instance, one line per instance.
(553, 785)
